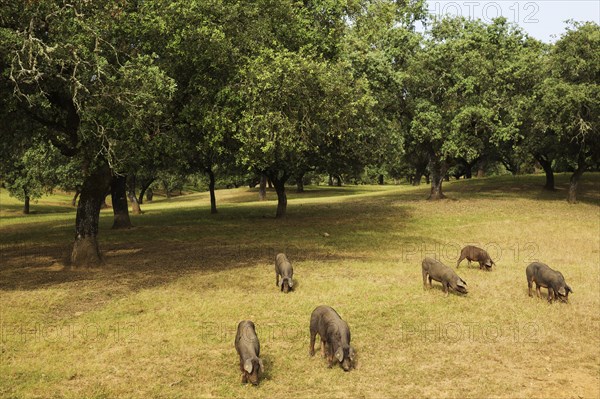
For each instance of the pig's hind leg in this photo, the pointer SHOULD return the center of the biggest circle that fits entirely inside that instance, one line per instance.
(311, 348)
(462, 257)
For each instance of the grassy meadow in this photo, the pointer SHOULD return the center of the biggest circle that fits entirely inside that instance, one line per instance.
(158, 319)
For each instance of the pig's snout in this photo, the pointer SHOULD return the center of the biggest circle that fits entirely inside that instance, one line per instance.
(253, 378)
(346, 364)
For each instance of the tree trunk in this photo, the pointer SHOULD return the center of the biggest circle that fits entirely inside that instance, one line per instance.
(416, 181)
(26, 205)
(270, 183)
(438, 170)
(281, 200)
(420, 170)
(300, 183)
(470, 165)
(447, 177)
(103, 204)
(330, 182)
(149, 194)
(135, 204)
(380, 180)
(481, 170)
(338, 180)
(279, 184)
(572, 198)
(118, 189)
(85, 249)
(262, 189)
(468, 171)
(211, 188)
(145, 186)
(547, 166)
(74, 200)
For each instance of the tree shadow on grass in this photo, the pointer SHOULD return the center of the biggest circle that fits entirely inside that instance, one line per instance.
(250, 195)
(177, 242)
(526, 186)
(170, 243)
(15, 211)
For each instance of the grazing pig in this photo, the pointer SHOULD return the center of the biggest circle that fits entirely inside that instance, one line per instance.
(479, 255)
(435, 270)
(553, 280)
(248, 348)
(283, 268)
(334, 333)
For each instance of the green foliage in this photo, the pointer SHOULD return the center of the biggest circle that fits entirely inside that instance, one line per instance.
(90, 89)
(300, 112)
(331, 86)
(571, 94)
(33, 173)
(469, 93)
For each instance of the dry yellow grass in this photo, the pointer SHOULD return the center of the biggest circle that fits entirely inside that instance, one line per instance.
(159, 319)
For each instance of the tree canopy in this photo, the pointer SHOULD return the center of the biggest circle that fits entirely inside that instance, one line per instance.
(132, 92)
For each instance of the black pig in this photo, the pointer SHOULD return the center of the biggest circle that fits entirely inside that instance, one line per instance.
(479, 255)
(283, 268)
(553, 280)
(248, 348)
(335, 337)
(435, 270)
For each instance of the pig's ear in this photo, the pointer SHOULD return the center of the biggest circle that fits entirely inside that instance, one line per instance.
(290, 282)
(351, 354)
(562, 291)
(280, 283)
(260, 363)
(339, 354)
(248, 365)
(461, 283)
(568, 288)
